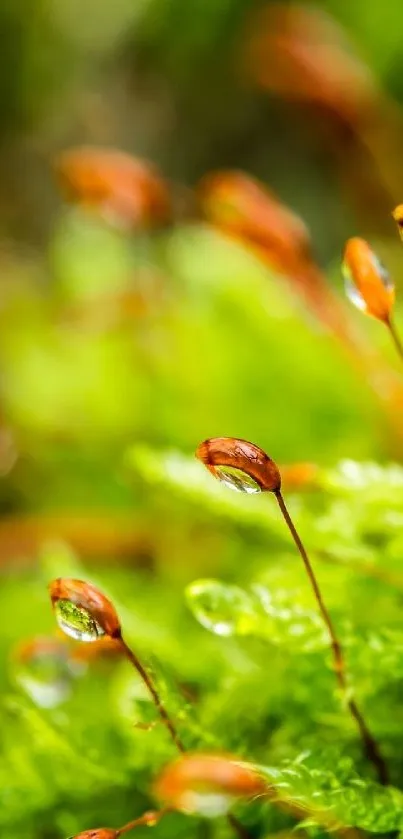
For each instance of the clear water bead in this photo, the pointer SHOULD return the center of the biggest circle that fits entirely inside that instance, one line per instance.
(76, 622)
(352, 291)
(46, 675)
(221, 608)
(205, 802)
(236, 479)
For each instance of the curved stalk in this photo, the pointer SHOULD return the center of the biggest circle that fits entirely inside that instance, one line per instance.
(151, 818)
(370, 745)
(144, 675)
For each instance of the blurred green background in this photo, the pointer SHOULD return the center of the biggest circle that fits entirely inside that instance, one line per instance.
(219, 344)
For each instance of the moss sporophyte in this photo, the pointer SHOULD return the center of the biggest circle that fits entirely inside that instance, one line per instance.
(84, 613)
(240, 465)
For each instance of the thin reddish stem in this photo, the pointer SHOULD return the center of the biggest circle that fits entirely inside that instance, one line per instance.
(166, 719)
(150, 818)
(370, 745)
(135, 661)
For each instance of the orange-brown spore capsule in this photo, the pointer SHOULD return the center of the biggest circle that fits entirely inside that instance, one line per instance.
(121, 187)
(88, 599)
(189, 783)
(242, 207)
(239, 464)
(368, 284)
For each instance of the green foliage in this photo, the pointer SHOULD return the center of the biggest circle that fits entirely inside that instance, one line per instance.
(102, 405)
(259, 683)
(329, 786)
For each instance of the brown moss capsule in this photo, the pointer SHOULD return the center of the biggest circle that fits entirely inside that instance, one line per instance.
(242, 207)
(82, 611)
(239, 465)
(127, 190)
(368, 283)
(207, 784)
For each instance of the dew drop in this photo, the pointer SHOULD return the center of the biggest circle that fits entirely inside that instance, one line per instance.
(236, 479)
(383, 273)
(77, 622)
(205, 802)
(43, 670)
(222, 609)
(352, 290)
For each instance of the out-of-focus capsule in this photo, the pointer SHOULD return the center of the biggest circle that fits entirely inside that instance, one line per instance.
(368, 283)
(301, 53)
(125, 190)
(207, 785)
(242, 207)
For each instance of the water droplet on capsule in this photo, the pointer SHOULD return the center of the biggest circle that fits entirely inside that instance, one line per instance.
(353, 292)
(77, 622)
(43, 669)
(239, 465)
(82, 611)
(204, 803)
(222, 609)
(354, 296)
(236, 479)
